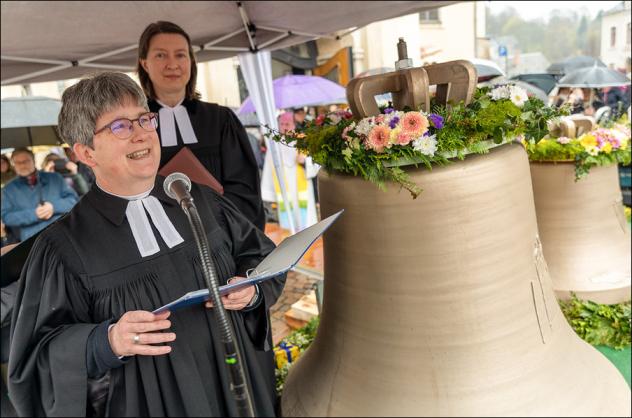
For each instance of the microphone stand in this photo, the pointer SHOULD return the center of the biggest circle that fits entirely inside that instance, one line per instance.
(238, 384)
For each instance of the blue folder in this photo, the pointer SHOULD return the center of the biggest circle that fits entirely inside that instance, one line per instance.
(279, 261)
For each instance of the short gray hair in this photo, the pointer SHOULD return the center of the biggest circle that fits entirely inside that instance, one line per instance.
(84, 102)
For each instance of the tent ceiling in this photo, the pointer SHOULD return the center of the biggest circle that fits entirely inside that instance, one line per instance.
(57, 40)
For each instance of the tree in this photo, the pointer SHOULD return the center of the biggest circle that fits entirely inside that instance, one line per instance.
(564, 34)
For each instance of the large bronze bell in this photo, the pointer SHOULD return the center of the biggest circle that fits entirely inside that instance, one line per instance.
(443, 305)
(585, 236)
(584, 233)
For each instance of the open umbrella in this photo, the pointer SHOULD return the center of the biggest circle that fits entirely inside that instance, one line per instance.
(544, 81)
(486, 69)
(29, 121)
(301, 90)
(594, 77)
(574, 63)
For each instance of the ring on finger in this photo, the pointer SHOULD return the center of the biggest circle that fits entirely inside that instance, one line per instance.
(136, 339)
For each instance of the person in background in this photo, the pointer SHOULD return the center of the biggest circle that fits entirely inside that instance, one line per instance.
(299, 118)
(8, 235)
(576, 99)
(84, 340)
(34, 199)
(83, 169)
(562, 96)
(167, 72)
(299, 190)
(257, 144)
(6, 170)
(53, 163)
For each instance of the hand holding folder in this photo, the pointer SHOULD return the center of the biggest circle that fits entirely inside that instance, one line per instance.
(279, 261)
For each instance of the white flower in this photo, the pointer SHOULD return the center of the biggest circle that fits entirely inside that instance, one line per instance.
(364, 127)
(518, 95)
(563, 140)
(427, 145)
(334, 118)
(500, 92)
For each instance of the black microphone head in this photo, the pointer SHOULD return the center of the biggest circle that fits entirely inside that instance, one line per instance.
(173, 177)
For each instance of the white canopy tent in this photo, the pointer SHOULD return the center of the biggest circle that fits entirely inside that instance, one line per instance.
(57, 40)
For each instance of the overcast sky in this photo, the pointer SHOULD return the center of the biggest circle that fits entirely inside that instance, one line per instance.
(534, 9)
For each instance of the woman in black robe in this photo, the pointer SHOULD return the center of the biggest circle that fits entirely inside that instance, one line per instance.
(84, 340)
(167, 71)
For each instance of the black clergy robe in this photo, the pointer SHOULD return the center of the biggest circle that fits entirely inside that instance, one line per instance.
(86, 269)
(224, 149)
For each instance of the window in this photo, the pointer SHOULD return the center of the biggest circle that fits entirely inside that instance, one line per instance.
(613, 36)
(429, 16)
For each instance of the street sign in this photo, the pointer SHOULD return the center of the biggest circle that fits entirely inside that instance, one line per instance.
(502, 51)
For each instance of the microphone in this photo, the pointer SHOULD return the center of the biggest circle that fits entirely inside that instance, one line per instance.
(178, 186)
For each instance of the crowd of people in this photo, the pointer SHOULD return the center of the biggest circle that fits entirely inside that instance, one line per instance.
(588, 101)
(100, 265)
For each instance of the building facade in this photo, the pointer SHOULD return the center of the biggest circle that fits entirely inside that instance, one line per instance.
(616, 37)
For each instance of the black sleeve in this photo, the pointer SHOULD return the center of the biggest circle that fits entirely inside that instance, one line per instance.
(249, 246)
(99, 355)
(49, 331)
(240, 174)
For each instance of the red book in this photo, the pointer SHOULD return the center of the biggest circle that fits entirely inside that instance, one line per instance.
(186, 162)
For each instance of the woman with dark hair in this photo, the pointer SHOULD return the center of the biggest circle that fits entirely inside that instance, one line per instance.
(8, 173)
(167, 72)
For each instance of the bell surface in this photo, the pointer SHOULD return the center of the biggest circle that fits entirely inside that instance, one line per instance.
(443, 305)
(584, 233)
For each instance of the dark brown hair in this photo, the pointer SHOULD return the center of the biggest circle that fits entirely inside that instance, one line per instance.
(143, 48)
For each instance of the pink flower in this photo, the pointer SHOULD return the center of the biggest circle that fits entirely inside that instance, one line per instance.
(378, 138)
(414, 123)
(320, 119)
(404, 138)
(345, 131)
(379, 118)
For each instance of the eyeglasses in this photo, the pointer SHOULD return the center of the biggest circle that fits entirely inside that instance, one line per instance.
(123, 128)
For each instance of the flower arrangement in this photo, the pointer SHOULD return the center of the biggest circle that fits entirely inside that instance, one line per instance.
(600, 147)
(377, 147)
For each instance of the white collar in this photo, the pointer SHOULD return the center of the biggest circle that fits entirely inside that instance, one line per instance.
(136, 214)
(168, 117)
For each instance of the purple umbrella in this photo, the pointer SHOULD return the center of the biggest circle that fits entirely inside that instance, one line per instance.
(301, 90)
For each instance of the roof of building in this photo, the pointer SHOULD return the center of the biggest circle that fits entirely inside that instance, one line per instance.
(621, 7)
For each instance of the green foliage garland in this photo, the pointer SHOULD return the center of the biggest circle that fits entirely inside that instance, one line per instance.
(600, 147)
(341, 144)
(599, 324)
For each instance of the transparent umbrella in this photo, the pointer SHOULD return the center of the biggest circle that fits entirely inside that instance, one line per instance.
(574, 63)
(594, 77)
(29, 121)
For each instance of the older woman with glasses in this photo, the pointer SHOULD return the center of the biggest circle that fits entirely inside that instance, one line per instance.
(84, 339)
(167, 72)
